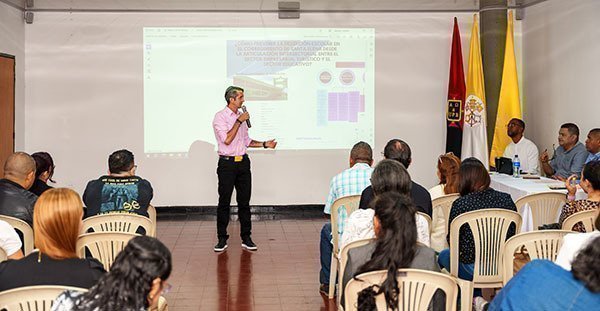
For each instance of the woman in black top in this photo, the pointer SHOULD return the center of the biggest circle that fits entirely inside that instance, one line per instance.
(44, 169)
(56, 223)
(475, 194)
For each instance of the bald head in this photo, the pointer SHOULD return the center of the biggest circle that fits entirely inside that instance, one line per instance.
(20, 168)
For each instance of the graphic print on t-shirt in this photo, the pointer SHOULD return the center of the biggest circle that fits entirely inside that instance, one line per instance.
(119, 195)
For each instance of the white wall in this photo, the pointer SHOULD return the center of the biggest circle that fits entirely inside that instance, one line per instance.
(12, 42)
(561, 53)
(85, 100)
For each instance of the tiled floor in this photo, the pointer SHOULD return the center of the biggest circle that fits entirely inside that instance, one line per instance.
(281, 275)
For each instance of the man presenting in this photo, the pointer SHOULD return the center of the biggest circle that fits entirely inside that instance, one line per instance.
(233, 170)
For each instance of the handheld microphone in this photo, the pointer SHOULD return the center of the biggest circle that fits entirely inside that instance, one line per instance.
(247, 121)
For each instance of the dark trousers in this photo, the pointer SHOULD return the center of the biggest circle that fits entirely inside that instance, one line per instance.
(234, 175)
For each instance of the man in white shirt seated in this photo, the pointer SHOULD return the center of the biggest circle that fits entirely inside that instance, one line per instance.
(521, 146)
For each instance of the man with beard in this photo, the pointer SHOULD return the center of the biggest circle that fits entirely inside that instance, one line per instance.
(521, 146)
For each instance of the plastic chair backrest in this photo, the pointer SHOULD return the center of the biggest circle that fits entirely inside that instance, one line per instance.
(543, 244)
(489, 227)
(25, 229)
(588, 219)
(346, 205)
(117, 222)
(544, 206)
(428, 220)
(152, 216)
(104, 246)
(441, 213)
(417, 288)
(32, 298)
(344, 259)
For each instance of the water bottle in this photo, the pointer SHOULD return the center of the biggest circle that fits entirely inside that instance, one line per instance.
(516, 166)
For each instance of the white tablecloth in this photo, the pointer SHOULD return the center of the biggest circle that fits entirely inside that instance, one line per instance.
(519, 187)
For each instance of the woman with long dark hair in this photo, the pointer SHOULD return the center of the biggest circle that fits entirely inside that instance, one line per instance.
(395, 247)
(44, 170)
(135, 281)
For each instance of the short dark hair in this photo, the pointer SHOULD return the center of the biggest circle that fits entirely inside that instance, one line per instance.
(389, 175)
(572, 128)
(518, 121)
(397, 149)
(43, 163)
(120, 161)
(232, 92)
(362, 152)
(595, 132)
(585, 265)
(591, 173)
(473, 176)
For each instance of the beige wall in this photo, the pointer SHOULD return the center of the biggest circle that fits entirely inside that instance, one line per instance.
(561, 53)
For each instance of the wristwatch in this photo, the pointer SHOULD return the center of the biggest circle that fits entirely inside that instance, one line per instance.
(265, 144)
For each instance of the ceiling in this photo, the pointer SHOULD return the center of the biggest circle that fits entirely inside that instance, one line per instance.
(252, 5)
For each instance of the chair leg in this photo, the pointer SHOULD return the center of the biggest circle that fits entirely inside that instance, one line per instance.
(332, 276)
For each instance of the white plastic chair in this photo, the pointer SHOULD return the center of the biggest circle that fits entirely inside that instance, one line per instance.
(104, 246)
(344, 260)
(489, 227)
(441, 214)
(544, 206)
(428, 221)
(417, 288)
(152, 216)
(587, 218)
(543, 244)
(25, 229)
(347, 204)
(117, 222)
(32, 298)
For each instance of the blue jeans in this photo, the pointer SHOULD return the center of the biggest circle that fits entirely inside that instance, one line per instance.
(465, 271)
(326, 248)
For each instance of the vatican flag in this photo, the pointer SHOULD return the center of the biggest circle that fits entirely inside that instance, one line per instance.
(509, 105)
(474, 142)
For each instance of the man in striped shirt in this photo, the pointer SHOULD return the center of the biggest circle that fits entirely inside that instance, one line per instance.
(351, 181)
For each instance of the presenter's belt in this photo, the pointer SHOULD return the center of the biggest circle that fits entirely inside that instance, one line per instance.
(234, 158)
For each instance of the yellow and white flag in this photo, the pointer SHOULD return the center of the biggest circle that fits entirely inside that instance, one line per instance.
(509, 104)
(474, 142)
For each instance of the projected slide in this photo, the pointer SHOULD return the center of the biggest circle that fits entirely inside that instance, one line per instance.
(308, 88)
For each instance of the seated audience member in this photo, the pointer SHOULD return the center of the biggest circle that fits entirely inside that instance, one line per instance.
(569, 157)
(44, 169)
(120, 191)
(592, 145)
(56, 224)
(388, 176)
(399, 150)
(447, 173)
(475, 194)
(15, 200)
(395, 246)
(521, 146)
(349, 182)
(543, 285)
(573, 243)
(10, 242)
(590, 183)
(448, 167)
(135, 281)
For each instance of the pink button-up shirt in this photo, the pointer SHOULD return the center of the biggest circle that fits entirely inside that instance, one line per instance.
(223, 122)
